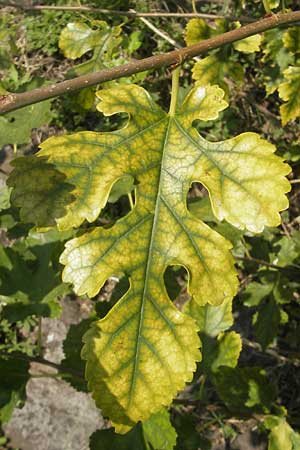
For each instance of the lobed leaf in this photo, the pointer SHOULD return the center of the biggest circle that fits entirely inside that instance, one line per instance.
(289, 92)
(78, 38)
(144, 350)
(291, 39)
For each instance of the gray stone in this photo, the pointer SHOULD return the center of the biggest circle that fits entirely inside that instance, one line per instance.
(55, 416)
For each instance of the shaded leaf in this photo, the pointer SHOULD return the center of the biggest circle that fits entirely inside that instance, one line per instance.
(291, 39)
(16, 126)
(245, 389)
(29, 287)
(109, 440)
(255, 292)
(273, 50)
(156, 433)
(13, 378)
(266, 323)
(40, 190)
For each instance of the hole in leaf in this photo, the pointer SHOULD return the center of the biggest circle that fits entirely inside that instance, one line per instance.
(175, 278)
(120, 202)
(110, 294)
(198, 202)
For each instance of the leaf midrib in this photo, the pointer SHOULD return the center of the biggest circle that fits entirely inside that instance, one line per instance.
(139, 338)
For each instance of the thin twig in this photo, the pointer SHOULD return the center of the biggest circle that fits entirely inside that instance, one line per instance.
(11, 102)
(163, 35)
(258, 261)
(37, 359)
(132, 14)
(160, 33)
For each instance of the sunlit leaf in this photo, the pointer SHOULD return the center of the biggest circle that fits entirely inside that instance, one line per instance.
(229, 349)
(144, 350)
(289, 92)
(159, 432)
(196, 30)
(212, 70)
(248, 45)
(78, 38)
(211, 320)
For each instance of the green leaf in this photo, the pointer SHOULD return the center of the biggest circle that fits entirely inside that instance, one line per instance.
(201, 208)
(211, 320)
(212, 70)
(5, 197)
(289, 92)
(245, 389)
(27, 288)
(130, 368)
(13, 378)
(123, 186)
(291, 39)
(255, 292)
(273, 50)
(229, 349)
(16, 126)
(72, 361)
(289, 250)
(159, 432)
(248, 45)
(40, 190)
(156, 433)
(78, 38)
(266, 323)
(109, 440)
(197, 30)
(280, 437)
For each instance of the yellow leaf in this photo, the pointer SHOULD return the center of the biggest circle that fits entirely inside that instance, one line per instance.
(291, 39)
(289, 92)
(145, 350)
(248, 45)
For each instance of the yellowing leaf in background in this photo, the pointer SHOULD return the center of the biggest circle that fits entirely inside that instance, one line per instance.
(145, 350)
(214, 68)
(291, 39)
(289, 92)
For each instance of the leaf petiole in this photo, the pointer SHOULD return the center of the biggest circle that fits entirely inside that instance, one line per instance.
(174, 92)
(267, 6)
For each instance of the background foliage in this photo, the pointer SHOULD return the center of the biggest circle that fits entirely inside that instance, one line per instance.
(248, 378)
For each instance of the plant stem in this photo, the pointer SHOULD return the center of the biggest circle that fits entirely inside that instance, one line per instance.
(36, 359)
(12, 101)
(174, 93)
(39, 338)
(194, 6)
(267, 6)
(132, 14)
(131, 203)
